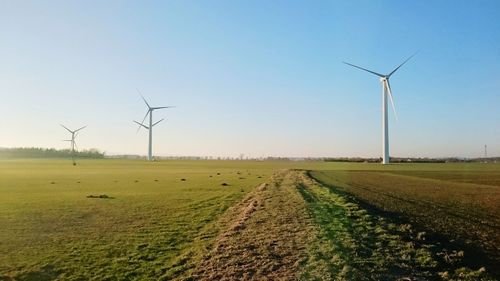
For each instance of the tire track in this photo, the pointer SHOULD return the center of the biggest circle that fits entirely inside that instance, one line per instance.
(265, 238)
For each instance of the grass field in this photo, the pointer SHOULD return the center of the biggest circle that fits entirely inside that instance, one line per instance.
(163, 220)
(149, 227)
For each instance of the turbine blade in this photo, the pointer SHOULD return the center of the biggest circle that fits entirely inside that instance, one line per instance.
(141, 125)
(392, 99)
(402, 64)
(161, 107)
(157, 122)
(81, 128)
(143, 119)
(66, 128)
(372, 72)
(143, 98)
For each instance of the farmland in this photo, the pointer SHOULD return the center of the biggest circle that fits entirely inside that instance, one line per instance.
(458, 206)
(190, 219)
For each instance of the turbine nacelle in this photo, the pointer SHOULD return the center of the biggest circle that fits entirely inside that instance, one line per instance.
(73, 132)
(384, 79)
(149, 112)
(147, 127)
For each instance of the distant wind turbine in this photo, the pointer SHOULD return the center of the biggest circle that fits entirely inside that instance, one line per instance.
(386, 91)
(151, 124)
(74, 134)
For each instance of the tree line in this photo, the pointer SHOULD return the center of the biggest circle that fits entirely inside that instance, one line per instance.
(413, 160)
(38, 152)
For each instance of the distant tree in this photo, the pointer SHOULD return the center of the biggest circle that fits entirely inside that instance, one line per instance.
(37, 152)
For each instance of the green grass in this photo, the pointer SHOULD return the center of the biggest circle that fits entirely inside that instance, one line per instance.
(352, 244)
(50, 228)
(154, 226)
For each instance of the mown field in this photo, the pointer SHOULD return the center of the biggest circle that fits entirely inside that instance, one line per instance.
(153, 226)
(149, 228)
(163, 220)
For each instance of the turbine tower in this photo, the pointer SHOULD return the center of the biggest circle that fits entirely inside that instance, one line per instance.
(151, 124)
(386, 92)
(74, 134)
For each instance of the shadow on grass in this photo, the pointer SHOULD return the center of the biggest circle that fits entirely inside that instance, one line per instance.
(360, 253)
(439, 245)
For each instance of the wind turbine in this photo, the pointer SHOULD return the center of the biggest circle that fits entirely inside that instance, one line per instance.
(386, 91)
(151, 124)
(74, 134)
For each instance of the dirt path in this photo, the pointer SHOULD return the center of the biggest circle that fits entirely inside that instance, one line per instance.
(294, 228)
(266, 238)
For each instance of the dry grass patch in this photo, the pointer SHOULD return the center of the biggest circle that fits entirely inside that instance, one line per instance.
(265, 238)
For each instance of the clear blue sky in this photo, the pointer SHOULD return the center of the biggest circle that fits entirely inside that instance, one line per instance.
(254, 77)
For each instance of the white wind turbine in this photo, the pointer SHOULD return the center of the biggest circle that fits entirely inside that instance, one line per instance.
(74, 134)
(386, 91)
(151, 125)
